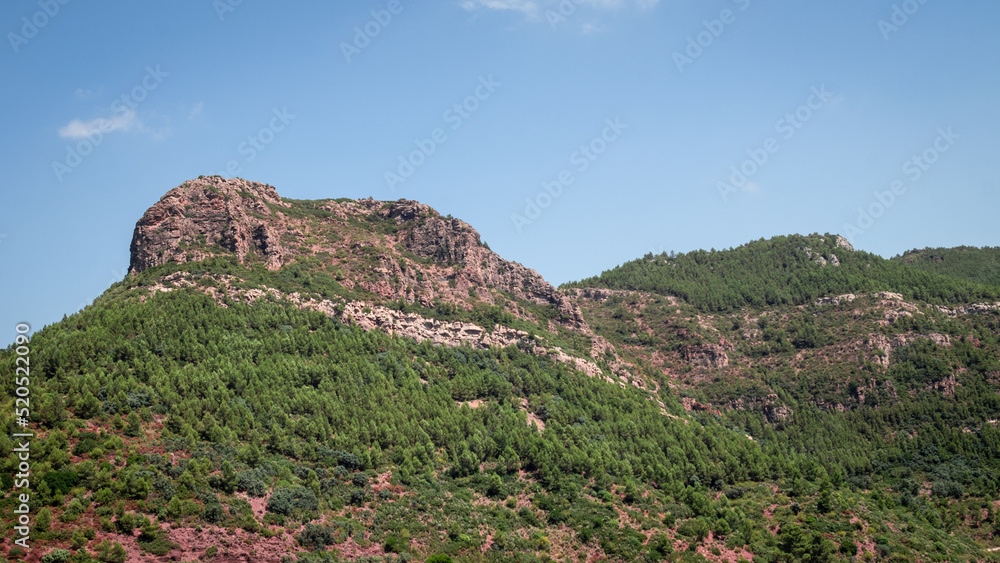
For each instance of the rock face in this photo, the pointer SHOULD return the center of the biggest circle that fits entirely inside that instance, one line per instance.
(230, 214)
(710, 355)
(886, 345)
(371, 243)
(843, 243)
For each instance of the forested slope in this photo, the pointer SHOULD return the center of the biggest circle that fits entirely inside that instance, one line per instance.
(969, 263)
(783, 270)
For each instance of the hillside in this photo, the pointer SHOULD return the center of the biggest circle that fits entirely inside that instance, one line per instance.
(287, 380)
(791, 270)
(975, 265)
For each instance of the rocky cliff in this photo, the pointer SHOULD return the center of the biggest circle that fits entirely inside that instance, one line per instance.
(401, 250)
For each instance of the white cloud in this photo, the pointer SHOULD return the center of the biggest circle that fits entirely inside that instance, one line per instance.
(533, 8)
(85, 93)
(78, 129)
(196, 110)
(527, 7)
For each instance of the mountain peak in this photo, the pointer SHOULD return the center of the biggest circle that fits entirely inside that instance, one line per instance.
(384, 251)
(209, 211)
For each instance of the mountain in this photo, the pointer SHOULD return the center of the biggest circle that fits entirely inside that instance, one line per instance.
(282, 380)
(969, 263)
(791, 270)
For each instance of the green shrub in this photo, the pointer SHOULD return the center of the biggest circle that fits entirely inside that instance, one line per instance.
(60, 482)
(287, 500)
(56, 556)
(213, 513)
(695, 528)
(316, 537)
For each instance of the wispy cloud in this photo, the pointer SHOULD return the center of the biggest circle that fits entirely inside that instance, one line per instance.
(85, 93)
(529, 8)
(534, 10)
(78, 129)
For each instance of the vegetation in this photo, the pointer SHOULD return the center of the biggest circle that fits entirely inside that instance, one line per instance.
(781, 271)
(163, 412)
(969, 263)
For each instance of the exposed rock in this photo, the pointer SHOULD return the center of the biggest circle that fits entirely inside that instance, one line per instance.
(233, 215)
(777, 413)
(893, 316)
(942, 340)
(974, 309)
(848, 297)
(690, 404)
(369, 241)
(820, 260)
(834, 261)
(709, 355)
(843, 243)
(946, 386)
(887, 345)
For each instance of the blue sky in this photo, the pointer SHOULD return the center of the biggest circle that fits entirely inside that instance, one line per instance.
(673, 125)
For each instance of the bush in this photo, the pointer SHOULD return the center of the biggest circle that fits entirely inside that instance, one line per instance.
(109, 552)
(43, 520)
(88, 442)
(694, 528)
(316, 537)
(213, 513)
(128, 522)
(395, 544)
(252, 483)
(947, 488)
(734, 493)
(849, 548)
(56, 556)
(287, 500)
(155, 540)
(60, 482)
